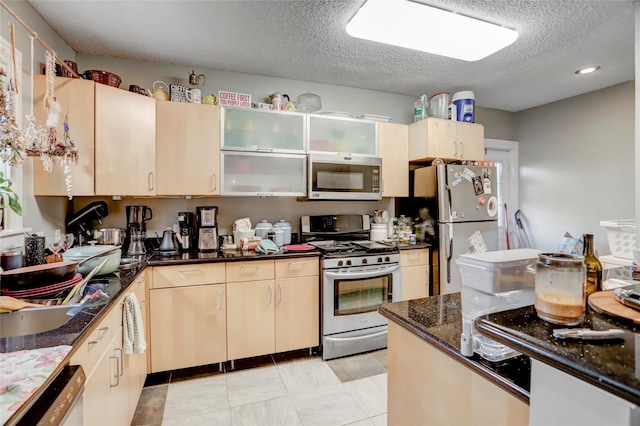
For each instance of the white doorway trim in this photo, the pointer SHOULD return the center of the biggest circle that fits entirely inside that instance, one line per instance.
(511, 147)
(506, 152)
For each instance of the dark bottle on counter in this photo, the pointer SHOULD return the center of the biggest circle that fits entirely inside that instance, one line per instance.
(592, 265)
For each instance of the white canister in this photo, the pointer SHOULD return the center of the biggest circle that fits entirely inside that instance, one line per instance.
(263, 228)
(463, 106)
(378, 232)
(286, 227)
(279, 236)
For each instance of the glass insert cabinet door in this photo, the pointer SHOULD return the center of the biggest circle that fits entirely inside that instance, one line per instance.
(340, 134)
(263, 174)
(250, 129)
(357, 296)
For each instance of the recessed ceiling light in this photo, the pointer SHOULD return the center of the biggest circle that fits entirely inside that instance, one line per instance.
(425, 28)
(588, 70)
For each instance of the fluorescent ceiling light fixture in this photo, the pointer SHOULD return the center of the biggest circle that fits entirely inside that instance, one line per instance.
(588, 70)
(428, 29)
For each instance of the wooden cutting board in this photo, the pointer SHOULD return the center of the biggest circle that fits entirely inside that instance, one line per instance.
(604, 302)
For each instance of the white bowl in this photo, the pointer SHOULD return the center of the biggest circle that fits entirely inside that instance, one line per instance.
(76, 254)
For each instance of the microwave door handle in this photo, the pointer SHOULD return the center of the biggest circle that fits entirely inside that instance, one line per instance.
(356, 275)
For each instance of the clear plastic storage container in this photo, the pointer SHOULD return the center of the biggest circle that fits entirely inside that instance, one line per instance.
(494, 282)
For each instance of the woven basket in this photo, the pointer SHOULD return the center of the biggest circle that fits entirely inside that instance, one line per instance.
(103, 77)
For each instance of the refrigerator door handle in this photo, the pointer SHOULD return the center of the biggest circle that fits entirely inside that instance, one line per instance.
(449, 252)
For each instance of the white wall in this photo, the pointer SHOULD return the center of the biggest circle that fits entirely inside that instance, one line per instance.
(577, 165)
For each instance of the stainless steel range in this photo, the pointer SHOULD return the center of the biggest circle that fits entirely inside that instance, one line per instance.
(357, 277)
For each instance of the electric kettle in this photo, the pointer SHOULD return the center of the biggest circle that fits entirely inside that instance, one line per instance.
(169, 243)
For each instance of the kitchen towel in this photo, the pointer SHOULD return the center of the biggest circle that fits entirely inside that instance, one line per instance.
(133, 339)
(267, 247)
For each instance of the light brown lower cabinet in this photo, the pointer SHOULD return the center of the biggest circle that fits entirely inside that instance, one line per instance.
(188, 326)
(250, 319)
(252, 308)
(114, 379)
(414, 270)
(428, 387)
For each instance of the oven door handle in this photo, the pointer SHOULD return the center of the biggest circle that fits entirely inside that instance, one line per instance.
(366, 336)
(367, 274)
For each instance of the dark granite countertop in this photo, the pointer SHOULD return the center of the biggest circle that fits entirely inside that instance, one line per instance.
(414, 246)
(608, 365)
(191, 257)
(438, 320)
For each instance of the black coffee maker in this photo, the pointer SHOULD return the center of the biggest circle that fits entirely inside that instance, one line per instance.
(137, 217)
(186, 223)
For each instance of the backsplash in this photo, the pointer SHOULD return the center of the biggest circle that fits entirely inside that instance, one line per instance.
(165, 210)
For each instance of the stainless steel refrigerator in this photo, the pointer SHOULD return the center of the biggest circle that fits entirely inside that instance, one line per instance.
(467, 215)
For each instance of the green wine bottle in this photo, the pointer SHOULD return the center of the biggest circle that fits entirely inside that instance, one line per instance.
(592, 265)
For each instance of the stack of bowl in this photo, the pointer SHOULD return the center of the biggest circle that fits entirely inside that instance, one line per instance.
(47, 284)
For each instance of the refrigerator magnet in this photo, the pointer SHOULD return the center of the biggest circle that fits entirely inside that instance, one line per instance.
(492, 207)
(468, 174)
(456, 182)
(477, 185)
(487, 185)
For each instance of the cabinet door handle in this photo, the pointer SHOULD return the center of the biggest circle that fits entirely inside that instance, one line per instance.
(117, 375)
(264, 149)
(280, 298)
(455, 149)
(103, 333)
(121, 367)
(270, 295)
(143, 303)
(188, 271)
(461, 149)
(220, 298)
(151, 181)
(214, 183)
(248, 267)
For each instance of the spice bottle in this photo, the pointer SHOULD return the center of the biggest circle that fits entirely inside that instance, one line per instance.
(592, 266)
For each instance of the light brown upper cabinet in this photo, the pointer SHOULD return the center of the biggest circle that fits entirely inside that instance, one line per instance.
(125, 142)
(187, 149)
(393, 146)
(76, 99)
(438, 138)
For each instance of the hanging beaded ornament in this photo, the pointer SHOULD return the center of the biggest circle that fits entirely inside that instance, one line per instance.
(12, 142)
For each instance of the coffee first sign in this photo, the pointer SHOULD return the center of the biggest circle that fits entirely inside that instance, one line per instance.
(234, 99)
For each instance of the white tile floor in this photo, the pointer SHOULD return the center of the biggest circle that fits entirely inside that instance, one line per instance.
(306, 391)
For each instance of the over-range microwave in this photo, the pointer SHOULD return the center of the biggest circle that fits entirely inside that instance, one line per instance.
(344, 177)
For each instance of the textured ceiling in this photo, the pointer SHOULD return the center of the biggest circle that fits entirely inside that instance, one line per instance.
(306, 40)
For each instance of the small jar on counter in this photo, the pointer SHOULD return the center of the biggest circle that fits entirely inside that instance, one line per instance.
(560, 288)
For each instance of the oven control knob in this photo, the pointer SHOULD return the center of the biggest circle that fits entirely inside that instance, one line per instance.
(379, 260)
(339, 262)
(348, 263)
(386, 259)
(364, 261)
